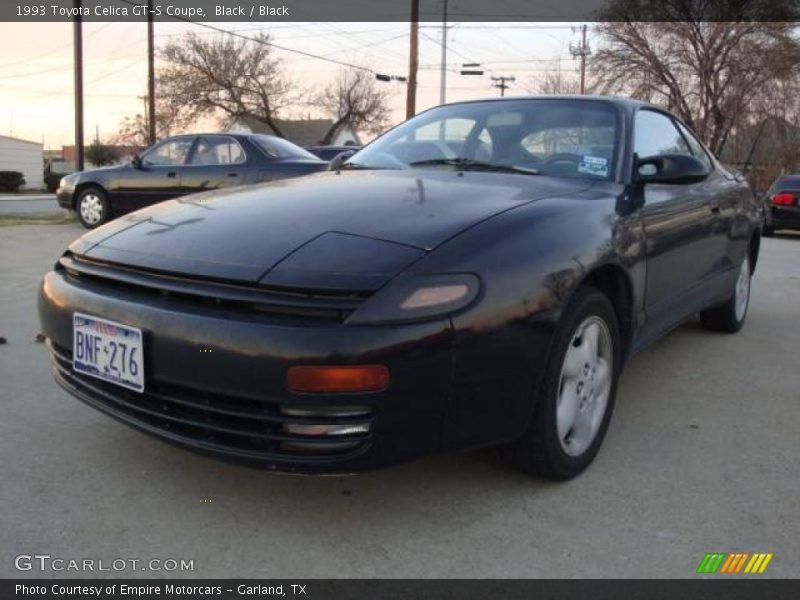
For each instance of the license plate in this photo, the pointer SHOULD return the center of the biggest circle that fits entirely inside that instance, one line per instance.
(108, 350)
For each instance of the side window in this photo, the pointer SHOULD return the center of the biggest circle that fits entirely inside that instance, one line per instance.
(170, 153)
(697, 148)
(218, 151)
(655, 133)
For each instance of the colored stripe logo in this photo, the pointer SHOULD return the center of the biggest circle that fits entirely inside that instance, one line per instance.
(735, 562)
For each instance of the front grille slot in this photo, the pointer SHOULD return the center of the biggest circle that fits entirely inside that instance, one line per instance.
(230, 424)
(282, 302)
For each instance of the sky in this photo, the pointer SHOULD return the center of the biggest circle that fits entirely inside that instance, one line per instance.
(36, 68)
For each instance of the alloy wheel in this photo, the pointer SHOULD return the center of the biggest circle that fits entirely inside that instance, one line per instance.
(584, 385)
(742, 293)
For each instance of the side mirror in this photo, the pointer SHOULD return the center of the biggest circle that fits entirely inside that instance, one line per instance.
(136, 161)
(340, 159)
(670, 168)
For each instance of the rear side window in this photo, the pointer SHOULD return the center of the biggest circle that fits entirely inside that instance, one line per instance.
(655, 133)
(786, 182)
(214, 150)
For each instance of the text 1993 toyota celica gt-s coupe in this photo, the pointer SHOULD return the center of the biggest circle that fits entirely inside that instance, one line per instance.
(478, 275)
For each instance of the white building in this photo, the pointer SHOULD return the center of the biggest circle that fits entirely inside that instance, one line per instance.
(25, 157)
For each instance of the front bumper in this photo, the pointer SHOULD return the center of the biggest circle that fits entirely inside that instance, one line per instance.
(65, 196)
(215, 379)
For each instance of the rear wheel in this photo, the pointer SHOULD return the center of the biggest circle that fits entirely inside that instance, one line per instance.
(577, 393)
(729, 317)
(92, 207)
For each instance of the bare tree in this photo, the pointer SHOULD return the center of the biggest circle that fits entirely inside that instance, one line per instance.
(134, 131)
(556, 82)
(707, 60)
(357, 100)
(227, 76)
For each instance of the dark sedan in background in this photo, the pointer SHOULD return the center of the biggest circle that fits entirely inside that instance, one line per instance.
(782, 204)
(182, 165)
(478, 275)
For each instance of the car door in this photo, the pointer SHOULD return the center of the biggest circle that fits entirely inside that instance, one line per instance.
(725, 197)
(217, 161)
(679, 223)
(158, 175)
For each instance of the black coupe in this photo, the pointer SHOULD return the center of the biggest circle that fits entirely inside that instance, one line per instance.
(182, 165)
(478, 275)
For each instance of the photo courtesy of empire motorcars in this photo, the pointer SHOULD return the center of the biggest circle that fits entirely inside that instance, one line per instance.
(428, 298)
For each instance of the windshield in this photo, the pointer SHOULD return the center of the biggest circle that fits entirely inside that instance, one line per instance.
(276, 147)
(557, 137)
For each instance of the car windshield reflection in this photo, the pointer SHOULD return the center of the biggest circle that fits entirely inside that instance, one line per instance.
(560, 138)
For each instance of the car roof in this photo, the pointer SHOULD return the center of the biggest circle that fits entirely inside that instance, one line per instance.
(623, 101)
(227, 133)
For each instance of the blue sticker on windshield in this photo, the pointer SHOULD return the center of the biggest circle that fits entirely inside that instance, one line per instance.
(593, 165)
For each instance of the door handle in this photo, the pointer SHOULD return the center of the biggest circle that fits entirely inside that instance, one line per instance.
(172, 174)
(233, 174)
(714, 206)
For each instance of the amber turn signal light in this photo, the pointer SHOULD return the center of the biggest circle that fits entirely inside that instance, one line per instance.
(337, 379)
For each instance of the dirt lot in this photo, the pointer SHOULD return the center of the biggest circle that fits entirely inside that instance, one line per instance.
(702, 456)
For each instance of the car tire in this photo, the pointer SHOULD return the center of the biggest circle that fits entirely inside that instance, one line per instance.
(92, 207)
(730, 317)
(573, 390)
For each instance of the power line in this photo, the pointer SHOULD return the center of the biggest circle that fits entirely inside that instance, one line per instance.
(51, 52)
(264, 42)
(450, 49)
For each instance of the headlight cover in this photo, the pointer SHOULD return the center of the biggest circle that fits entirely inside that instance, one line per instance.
(67, 180)
(418, 297)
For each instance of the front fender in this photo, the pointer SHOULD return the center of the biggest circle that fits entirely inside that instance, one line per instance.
(530, 260)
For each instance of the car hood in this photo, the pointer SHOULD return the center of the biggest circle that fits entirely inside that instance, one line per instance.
(108, 169)
(348, 230)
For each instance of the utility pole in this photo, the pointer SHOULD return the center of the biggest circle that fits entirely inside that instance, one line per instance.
(443, 67)
(581, 51)
(413, 61)
(77, 33)
(502, 83)
(151, 77)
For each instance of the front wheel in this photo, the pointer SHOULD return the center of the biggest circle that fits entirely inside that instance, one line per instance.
(577, 393)
(729, 317)
(92, 207)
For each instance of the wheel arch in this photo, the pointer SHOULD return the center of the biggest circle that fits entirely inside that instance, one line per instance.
(83, 186)
(754, 248)
(613, 281)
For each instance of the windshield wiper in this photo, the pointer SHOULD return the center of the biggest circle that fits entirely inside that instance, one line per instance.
(468, 163)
